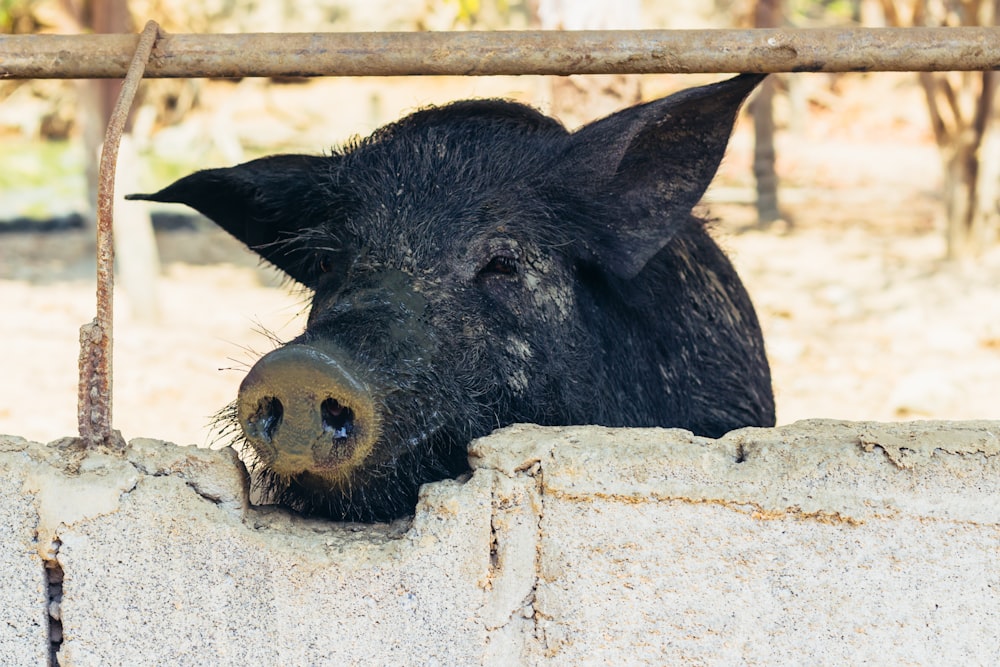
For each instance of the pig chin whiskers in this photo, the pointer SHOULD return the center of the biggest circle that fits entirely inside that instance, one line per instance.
(353, 502)
(227, 432)
(225, 429)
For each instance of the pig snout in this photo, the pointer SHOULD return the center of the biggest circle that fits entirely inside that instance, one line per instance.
(302, 411)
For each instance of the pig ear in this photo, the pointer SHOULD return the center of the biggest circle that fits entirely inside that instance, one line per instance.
(655, 161)
(262, 203)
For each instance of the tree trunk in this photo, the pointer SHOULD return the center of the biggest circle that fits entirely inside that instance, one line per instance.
(968, 147)
(766, 15)
(97, 96)
(576, 100)
(963, 117)
(137, 259)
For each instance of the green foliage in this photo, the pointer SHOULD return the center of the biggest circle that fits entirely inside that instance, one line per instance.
(824, 11)
(13, 12)
(5, 14)
(467, 10)
(471, 12)
(34, 164)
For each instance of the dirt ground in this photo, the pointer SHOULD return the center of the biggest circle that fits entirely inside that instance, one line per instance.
(862, 317)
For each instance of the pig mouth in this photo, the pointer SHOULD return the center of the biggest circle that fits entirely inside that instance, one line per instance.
(380, 488)
(323, 438)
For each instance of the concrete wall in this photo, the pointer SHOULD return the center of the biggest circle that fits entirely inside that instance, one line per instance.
(819, 543)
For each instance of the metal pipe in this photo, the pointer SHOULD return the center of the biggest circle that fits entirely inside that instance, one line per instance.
(489, 53)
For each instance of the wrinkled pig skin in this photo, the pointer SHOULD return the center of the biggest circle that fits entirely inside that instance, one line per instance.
(476, 265)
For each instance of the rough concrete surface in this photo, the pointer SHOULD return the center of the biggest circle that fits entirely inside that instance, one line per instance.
(23, 594)
(822, 542)
(801, 545)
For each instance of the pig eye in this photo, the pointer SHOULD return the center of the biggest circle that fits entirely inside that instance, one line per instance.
(501, 265)
(328, 269)
(328, 263)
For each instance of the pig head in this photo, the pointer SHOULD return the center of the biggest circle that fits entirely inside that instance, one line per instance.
(476, 265)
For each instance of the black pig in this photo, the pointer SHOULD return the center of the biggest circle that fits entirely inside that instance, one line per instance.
(476, 265)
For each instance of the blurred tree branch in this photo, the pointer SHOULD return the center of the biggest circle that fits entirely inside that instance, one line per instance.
(963, 117)
(767, 14)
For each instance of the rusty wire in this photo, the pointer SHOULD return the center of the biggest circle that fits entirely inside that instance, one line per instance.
(507, 52)
(94, 399)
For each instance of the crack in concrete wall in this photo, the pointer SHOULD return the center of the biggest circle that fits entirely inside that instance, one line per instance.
(565, 545)
(906, 451)
(54, 576)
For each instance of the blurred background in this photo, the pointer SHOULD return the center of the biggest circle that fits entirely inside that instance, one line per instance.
(862, 210)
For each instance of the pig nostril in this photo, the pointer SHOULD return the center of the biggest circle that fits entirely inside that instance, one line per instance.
(267, 418)
(338, 419)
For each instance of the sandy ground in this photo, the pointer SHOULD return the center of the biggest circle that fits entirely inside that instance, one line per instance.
(863, 319)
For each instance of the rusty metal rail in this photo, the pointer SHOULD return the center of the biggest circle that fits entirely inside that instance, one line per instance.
(489, 53)
(94, 397)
